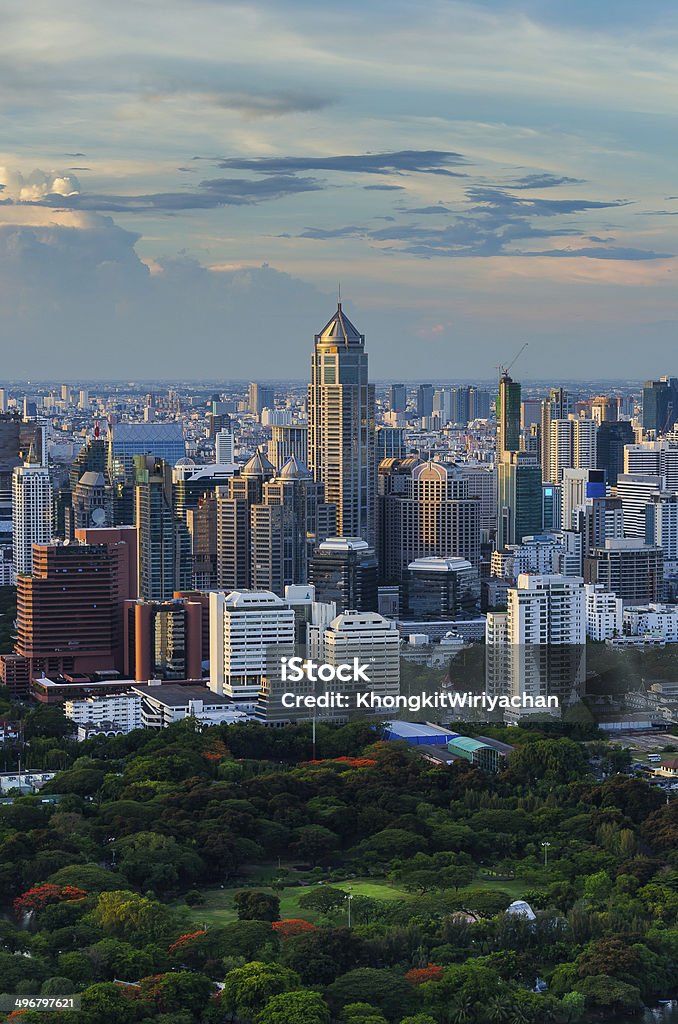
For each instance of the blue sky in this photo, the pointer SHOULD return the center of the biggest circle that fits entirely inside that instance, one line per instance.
(184, 184)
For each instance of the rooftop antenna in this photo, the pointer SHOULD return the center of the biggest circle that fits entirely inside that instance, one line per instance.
(339, 296)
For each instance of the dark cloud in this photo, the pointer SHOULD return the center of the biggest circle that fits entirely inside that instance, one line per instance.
(543, 180)
(322, 233)
(439, 208)
(500, 199)
(606, 253)
(208, 195)
(274, 104)
(422, 161)
(384, 188)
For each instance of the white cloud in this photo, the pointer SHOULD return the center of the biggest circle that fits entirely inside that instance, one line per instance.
(37, 185)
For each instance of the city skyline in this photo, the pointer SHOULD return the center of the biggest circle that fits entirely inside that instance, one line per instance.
(475, 174)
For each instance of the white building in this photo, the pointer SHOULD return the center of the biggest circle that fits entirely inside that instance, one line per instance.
(367, 636)
(224, 443)
(250, 631)
(31, 513)
(636, 492)
(660, 620)
(603, 612)
(162, 704)
(661, 524)
(119, 712)
(657, 458)
(546, 610)
(572, 444)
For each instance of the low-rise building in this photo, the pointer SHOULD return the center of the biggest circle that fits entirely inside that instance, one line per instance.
(164, 704)
(658, 619)
(119, 712)
(604, 612)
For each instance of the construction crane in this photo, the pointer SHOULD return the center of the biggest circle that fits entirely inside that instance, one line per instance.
(503, 370)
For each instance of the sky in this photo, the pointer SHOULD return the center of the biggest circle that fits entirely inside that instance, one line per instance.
(183, 186)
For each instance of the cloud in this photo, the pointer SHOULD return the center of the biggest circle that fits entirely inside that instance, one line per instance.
(438, 208)
(406, 161)
(77, 279)
(274, 104)
(38, 185)
(209, 194)
(384, 188)
(499, 199)
(611, 252)
(543, 180)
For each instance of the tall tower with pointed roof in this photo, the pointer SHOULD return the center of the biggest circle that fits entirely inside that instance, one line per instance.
(341, 427)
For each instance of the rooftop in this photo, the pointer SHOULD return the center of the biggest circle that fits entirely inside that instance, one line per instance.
(176, 696)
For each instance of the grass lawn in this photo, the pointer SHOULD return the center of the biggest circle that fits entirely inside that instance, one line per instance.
(219, 909)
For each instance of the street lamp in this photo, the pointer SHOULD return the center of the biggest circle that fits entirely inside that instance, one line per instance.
(545, 846)
(349, 898)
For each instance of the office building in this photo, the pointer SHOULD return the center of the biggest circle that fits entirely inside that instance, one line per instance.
(572, 445)
(286, 527)
(508, 407)
(611, 439)
(341, 427)
(552, 512)
(426, 509)
(260, 397)
(633, 570)
(201, 523)
(164, 441)
(660, 405)
(223, 447)
(164, 541)
(635, 492)
(661, 523)
(397, 398)
(32, 514)
(91, 504)
(367, 636)
(659, 458)
(250, 631)
(163, 704)
(441, 588)
(163, 639)
(287, 440)
(558, 405)
(69, 608)
(344, 571)
(390, 443)
(424, 401)
(519, 498)
(482, 484)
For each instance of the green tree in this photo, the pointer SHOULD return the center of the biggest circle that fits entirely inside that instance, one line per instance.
(323, 900)
(295, 1008)
(254, 905)
(247, 989)
(385, 989)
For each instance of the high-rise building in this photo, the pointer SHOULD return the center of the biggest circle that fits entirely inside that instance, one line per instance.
(537, 647)
(250, 631)
(286, 526)
(223, 446)
(604, 613)
(341, 427)
(390, 443)
(10, 446)
(163, 640)
(508, 416)
(631, 569)
(482, 484)
(126, 440)
(661, 523)
(441, 588)
(572, 446)
(558, 405)
(164, 541)
(636, 491)
(344, 571)
(32, 513)
(367, 636)
(612, 437)
(578, 486)
(479, 404)
(424, 401)
(426, 509)
(660, 404)
(519, 498)
(260, 397)
(201, 523)
(288, 439)
(69, 608)
(397, 398)
(91, 504)
(233, 525)
(655, 457)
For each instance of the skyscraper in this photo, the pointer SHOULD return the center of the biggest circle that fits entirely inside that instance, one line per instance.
(31, 512)
(611, 438)
(424, 400)
(397, 398)
(508, 416)
(164, 541)
(341, 428)
(660, 404)
(260, 396)
(519, 498)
